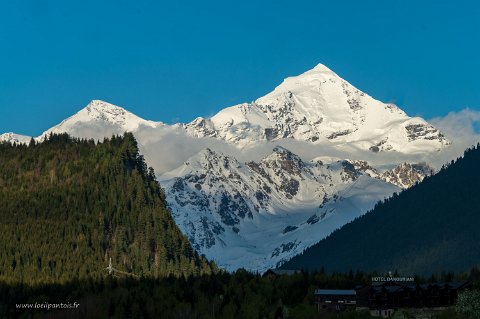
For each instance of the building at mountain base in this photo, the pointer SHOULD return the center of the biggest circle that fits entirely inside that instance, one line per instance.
(335, 299)
(273, 273)
(384, 298)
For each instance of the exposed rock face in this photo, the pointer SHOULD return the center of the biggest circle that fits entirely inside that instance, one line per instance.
(406, 175)
(261, 213)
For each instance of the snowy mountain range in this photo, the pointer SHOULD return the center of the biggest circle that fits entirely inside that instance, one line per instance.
(239, 192)
(257, 214)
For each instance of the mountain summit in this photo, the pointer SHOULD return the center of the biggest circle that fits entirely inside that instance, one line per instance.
(14, 138)
(102, 117)
(320, 107)
(310, 81)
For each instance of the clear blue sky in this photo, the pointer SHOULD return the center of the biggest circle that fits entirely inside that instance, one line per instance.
(175, 60)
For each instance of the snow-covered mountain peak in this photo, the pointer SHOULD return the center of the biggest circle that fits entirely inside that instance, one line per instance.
(406, 175)
(100, 116)
(319, 106)
(283, 154)
(99, 106)
(211, 159)
(207, 154)
(205, 160)
(321, 68)
(14, 138)
(98, 110)
(313, 76)
(314, 82)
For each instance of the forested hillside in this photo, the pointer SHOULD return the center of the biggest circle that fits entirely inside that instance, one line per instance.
(67, 206)
(431, 227)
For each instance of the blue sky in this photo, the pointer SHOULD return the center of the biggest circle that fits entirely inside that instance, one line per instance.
(175, 60)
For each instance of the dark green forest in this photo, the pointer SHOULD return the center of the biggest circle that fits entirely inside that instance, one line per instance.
(223, 295)
(431, 227)
(220, 295)
(67, 206)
